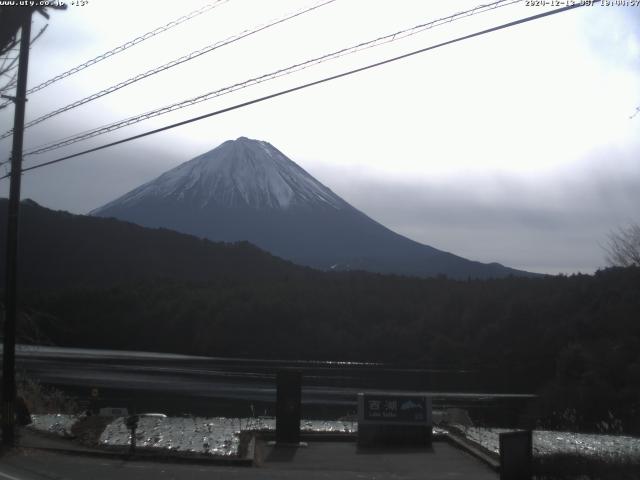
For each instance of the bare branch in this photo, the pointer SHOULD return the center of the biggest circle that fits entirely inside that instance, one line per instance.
(39, 34)
(8, 47)
(623, 249)
(12, 80)
(11, 66)
(6, 73)
(10, 69)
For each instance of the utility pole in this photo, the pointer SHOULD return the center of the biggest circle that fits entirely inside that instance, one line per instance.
(10, 292)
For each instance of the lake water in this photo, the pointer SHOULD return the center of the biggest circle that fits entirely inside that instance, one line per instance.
(241, 387)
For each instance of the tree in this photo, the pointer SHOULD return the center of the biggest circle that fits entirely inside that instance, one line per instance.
(10, 21)
(623, 249)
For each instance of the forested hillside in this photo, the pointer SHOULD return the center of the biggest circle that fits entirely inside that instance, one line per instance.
(59, 249)
(575, 340)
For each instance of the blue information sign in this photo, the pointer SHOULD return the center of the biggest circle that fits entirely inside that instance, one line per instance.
(395, 408)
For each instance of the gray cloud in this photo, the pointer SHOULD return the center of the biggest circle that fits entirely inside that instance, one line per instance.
(555, 224)
(84, 183)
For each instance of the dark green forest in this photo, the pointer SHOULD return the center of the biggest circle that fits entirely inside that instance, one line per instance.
(574, 340)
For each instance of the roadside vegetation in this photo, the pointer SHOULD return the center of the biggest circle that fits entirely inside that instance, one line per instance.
(41, 399)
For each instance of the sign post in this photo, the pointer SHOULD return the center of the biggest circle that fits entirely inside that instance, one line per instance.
(288, 407)
(516, 452)
(132, 425)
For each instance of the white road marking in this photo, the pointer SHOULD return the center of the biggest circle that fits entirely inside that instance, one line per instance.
(8, 477)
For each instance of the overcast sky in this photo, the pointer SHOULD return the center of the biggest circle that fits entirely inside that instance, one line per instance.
(515, 147)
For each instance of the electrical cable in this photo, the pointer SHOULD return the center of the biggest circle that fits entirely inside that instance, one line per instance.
(124, 46)
(306, 85)
(171, 64)
(392, 37)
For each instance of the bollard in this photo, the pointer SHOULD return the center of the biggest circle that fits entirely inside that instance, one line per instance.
(516, 451)
(288, 407)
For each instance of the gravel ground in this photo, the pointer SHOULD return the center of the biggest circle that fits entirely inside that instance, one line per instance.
(221, 435)
(210, 436)
(547, 442)
(58, 424)
(213, 436)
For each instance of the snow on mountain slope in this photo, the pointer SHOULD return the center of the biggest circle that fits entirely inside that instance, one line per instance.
(237, 173)
(247, 190)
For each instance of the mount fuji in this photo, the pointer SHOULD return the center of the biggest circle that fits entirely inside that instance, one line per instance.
(249, 190)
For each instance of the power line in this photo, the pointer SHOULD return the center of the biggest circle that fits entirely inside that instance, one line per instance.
(171, 64)
(266, 77)
(125, 46)
(307, 85)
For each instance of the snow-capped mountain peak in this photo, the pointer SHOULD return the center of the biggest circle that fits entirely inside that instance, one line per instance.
(238, 173)
(247, 190)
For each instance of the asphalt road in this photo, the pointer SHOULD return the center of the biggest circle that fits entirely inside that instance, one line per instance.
(207, 386)
(321, 460)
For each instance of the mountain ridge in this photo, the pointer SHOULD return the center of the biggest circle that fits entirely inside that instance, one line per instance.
(248, 190)
(59, 249)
